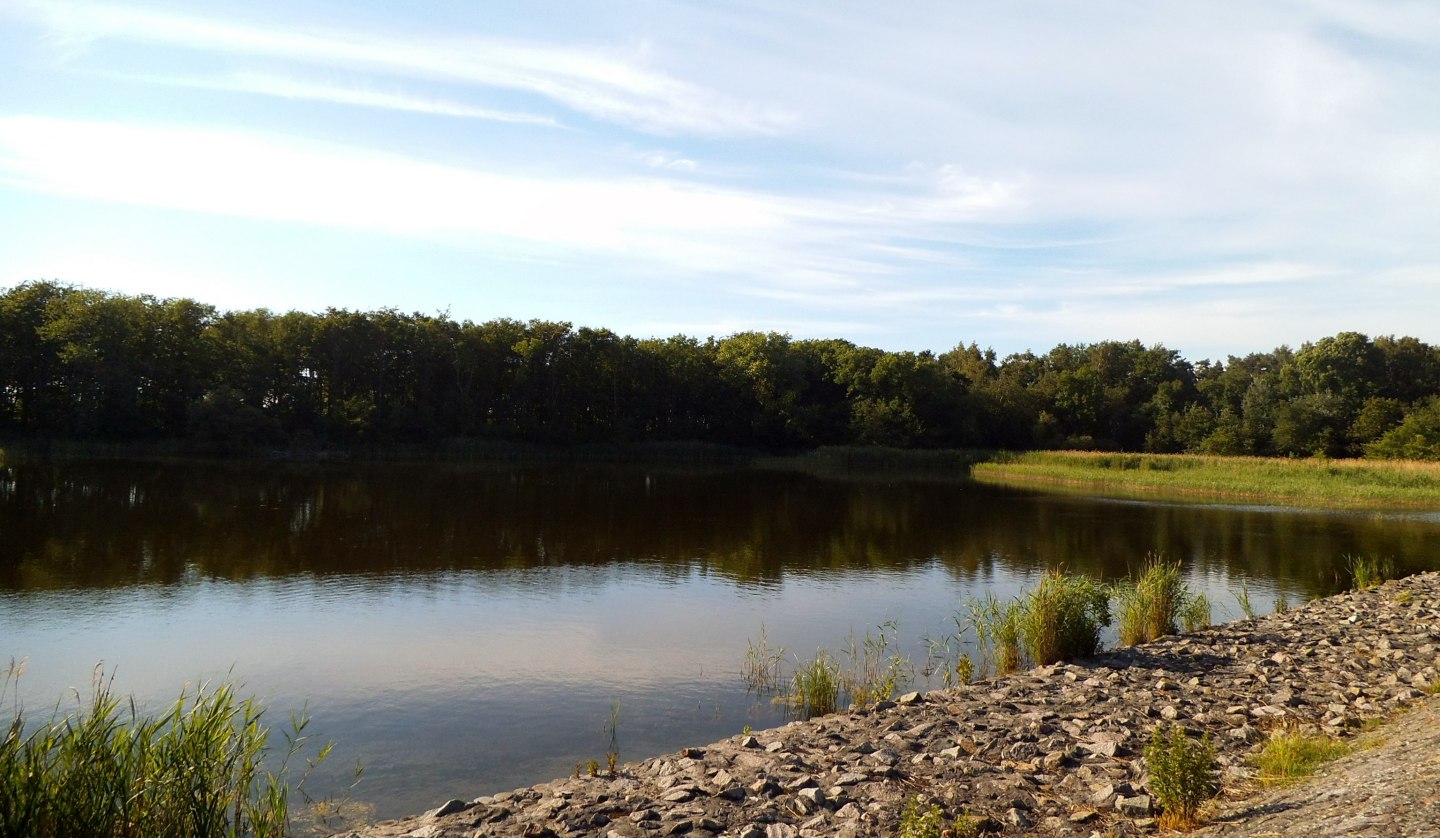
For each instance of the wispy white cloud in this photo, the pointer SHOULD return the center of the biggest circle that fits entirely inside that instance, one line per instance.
(605, 84)
(358, 93)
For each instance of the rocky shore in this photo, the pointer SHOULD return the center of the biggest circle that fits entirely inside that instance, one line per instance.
(1054, 750)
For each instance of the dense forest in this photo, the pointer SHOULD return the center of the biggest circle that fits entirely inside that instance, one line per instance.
(82, 364)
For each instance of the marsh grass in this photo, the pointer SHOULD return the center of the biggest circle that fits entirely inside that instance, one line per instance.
(1316, 482)
(1182, 774)
(1195, 614)
(1290, 755)
(1150, 603)
(815, 686)
(762, 664)
(1242, 598)
(1367, 572)
(997, 627)
(1060, 619)
(876, 670)
(612, 733)
(196, 769)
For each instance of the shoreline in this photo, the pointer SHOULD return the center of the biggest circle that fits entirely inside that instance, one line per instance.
(1053, 750)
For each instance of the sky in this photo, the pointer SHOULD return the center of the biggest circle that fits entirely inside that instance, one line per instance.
(1218, 177)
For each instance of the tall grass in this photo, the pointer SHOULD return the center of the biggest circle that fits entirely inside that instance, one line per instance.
(1316, 482)
(997, 627)
(815, 687)
(762, 664)
(196, 769)
(876, 670)
(1367, 573)
(1149, 604)
(1061, 618)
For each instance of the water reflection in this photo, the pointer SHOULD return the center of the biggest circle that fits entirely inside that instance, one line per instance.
(465, 630)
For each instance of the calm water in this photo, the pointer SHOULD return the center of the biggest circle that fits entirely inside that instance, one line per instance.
(463, 630)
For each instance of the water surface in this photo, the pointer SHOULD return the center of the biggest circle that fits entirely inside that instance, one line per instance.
(464, 630)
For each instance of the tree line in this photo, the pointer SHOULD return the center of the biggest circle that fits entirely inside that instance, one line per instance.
(84, 364)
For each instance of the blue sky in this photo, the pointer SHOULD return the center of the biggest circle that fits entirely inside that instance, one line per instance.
(1220, 177)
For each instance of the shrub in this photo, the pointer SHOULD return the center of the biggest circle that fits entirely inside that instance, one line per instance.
(1182, 774)
(920, 820)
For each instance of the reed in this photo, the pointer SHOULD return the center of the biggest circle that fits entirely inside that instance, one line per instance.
(997, 633)
(1061, 618)
(1314, 482)
(762, 664)
(876, 670)
(196, 769)
(815, 686)
(1367, 573)
(1150, 603)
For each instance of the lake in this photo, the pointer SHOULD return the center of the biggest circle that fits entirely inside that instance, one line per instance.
(462, 630)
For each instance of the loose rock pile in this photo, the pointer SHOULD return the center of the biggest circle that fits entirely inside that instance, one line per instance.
(1055, 750)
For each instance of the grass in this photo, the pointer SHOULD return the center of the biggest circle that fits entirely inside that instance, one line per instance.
(876, 670)
(1061, 618)
(1150, 603)
(997, 627)
(196, 769)
(762, 664)
(1367, 573)
(1273, 481)
(1195, 614)
(815, 686)
(1182, 775)
(1291, 755)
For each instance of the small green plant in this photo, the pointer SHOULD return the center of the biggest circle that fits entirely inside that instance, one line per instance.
(1196, 613)
(1149, 604)
(745, 731)
(1182, 774)
(964, 670)
(593, 768)
(1061, 618)
(1290, 755)
(762, 664)
(921, 819)
(1242, 598)
(1282, 602)
(1367, 573)
(816, 686)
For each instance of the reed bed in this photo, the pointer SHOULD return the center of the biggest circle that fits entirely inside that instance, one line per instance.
(1314, 482)
(199, 768)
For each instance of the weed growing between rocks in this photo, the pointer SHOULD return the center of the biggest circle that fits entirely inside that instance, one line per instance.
(876, 670)
(1182, 774)
(921, 820)
(927, 820)
(1290, 755)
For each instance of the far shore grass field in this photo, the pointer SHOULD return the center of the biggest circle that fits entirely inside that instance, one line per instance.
(1367, 484)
